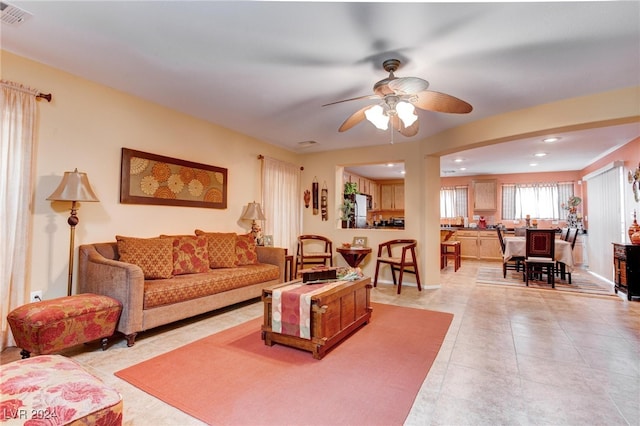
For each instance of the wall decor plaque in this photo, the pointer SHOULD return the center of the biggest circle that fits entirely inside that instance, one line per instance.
(154, 179)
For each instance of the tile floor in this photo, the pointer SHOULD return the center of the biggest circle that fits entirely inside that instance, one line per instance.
(511, 357)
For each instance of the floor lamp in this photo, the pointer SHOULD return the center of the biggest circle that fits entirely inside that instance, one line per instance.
(74, 187)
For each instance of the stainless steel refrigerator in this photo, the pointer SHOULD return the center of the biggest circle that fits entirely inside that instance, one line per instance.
(360, 210)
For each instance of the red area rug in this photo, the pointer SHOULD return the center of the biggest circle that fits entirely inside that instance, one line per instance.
(233, 378)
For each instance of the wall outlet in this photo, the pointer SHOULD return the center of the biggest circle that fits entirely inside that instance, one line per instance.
(36, 296)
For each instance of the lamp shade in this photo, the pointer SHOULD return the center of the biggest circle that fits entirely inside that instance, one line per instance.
(253, 212)
(74, 187)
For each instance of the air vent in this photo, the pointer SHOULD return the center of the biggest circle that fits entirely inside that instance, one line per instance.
(306, 144)
(12, 15)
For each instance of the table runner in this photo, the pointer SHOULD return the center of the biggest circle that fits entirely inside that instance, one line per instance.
(291, 307)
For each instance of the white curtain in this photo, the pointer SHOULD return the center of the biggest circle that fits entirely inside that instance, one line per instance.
(606, 219)
(281, 201)
(17, 129)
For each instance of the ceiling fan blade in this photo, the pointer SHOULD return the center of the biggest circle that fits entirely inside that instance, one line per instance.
(354, 119)
(408, 85)
(441, 102)
(404, 131)
(354, 99)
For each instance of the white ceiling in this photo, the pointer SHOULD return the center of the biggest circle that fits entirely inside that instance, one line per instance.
(266, 68)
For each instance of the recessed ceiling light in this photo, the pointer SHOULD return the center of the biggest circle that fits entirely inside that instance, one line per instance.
(458, 160)
(540, 154)
(533, 164)
(550, 140)
(463, 168)
(389, 164)
(402, 172)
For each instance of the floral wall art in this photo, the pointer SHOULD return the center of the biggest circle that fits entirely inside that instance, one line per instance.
(154, 179)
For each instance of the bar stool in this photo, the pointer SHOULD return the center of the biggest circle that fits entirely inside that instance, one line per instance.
(450, 249)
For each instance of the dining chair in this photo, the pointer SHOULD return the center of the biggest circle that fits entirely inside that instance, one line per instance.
(313, 250)
(514, 263)
(540, 248)
(564, 233)
(520, 232)
(400, 255)
(572, 236)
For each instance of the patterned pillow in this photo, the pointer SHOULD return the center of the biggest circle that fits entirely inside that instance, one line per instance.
(222, 248)
(246, 250)
(190, 254)
(153, 255)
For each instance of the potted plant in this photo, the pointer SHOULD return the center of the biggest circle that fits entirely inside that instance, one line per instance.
(350, 188)
(346, 212)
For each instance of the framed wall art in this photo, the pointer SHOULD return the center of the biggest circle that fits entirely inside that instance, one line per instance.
(154, 179)
(359, 242)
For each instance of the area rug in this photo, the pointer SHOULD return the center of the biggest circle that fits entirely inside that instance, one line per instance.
(581, 282)
(233, 378)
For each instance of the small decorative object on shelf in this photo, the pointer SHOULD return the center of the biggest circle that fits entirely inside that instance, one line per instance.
(572, 207)
(633, 230)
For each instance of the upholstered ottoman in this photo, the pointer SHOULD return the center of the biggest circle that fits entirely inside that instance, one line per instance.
(54, 390)
(53, 325)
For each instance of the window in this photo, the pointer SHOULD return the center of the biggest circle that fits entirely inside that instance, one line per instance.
(454, 201)
(539, 200)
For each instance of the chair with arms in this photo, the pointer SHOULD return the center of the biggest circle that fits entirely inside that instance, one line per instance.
(313, 250)
(513, 263)
(405, 262)
(540, 250)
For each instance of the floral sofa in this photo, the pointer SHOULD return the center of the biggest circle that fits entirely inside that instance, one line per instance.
(172, 277)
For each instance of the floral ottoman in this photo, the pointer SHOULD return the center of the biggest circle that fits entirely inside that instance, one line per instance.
(54, 390)
(53, 325)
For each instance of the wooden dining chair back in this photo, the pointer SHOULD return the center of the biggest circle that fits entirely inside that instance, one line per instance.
(313, 250)
(539, 254)
(564, 233)
(400, 255)
(572, 236)
(514, 263)
(520, 232)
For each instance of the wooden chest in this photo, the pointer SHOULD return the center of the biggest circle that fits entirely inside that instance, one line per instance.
(335, 314)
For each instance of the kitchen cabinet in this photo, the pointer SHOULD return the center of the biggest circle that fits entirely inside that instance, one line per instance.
(479, 244)
(626, 265)
(375, 195)
(484, 194)
(392, 196)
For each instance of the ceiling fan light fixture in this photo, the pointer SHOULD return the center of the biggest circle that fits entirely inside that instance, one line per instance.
(406, 113)
(377, 117)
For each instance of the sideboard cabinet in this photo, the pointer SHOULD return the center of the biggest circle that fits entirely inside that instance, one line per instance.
(626, 263)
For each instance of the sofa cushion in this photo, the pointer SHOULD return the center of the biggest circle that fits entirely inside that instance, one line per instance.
(246, 250)
(190, 254)
(153, 255)
(222, 248)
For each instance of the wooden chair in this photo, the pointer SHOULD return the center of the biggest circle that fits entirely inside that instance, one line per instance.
(313, 250)
(405, 262)
(572, 236)
(520, 232)
(514, 263)
(564, 233)
(450, 250)
(539, 254)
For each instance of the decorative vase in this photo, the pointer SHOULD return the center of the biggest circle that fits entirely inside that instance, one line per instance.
(634, 228)
(635, 238)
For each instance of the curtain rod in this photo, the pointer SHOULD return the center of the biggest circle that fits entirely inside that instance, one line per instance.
(46, 96)
(261, 157)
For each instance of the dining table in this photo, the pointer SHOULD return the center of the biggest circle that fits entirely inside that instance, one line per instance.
(515, 247)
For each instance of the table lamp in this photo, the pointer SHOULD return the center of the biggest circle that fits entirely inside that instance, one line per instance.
(253, 213)
(74, 187)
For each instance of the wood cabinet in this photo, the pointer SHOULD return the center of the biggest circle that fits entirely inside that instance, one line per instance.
(484, 194)
(626, 264)
(392, 196)
(479, 244)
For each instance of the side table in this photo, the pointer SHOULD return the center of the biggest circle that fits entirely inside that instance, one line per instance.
(354, 255)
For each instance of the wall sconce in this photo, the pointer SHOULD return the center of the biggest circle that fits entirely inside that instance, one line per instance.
(253, 213)
(74, 187)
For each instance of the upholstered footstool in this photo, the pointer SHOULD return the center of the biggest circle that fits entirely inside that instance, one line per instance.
(53, 325)
(54, 390)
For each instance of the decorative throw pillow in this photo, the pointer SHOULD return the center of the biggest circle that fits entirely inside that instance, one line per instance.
(190, 254)
(153, 255)
(222, 248)
(246, 250)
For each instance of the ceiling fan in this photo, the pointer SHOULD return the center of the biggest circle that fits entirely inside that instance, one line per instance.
(399, 96)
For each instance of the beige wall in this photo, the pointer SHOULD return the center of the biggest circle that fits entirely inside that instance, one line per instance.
(87, 124)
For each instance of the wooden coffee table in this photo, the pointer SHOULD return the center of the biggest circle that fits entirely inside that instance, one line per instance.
(335, 314)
